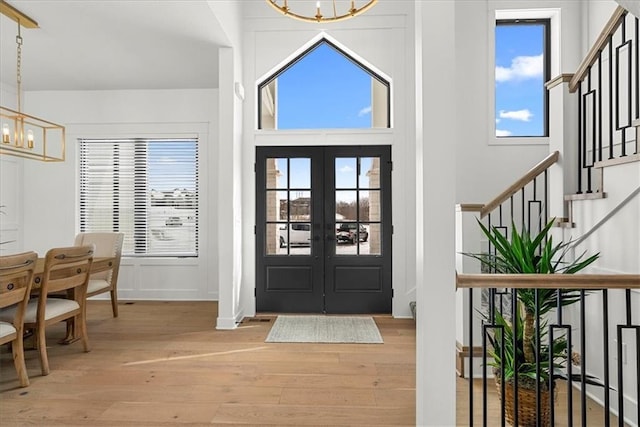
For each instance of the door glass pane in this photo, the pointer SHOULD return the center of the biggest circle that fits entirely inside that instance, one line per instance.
(371, 242)
(346, 172)
(288, 206)
(276, 205)
(276, 173)
(300, 174)
(271, 239)
(292, 239)
(346, 206)
(373, 205)
(369, 176)
(299, 205)
(347, 237)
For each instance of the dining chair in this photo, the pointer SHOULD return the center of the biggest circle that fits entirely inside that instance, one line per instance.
(66, 271)
(107, 244)
(16, 275)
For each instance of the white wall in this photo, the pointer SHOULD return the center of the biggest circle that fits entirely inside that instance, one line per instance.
(477, 182)
(50, 191)
(10, 177)
(382, 38)
(618, 241)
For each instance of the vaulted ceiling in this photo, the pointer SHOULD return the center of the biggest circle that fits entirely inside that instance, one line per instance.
(113, 44)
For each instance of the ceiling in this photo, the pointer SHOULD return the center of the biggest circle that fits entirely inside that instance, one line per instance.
(113, 44)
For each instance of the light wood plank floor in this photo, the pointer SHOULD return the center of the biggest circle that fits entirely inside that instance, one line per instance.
(163, 363)
(595, 415)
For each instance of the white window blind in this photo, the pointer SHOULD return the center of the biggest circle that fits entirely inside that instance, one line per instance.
(145, 188)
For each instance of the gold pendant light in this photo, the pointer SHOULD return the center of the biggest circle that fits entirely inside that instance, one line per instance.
(295, 9)
(24, 135)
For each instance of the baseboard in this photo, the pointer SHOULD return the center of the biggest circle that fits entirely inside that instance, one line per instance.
(226, 323)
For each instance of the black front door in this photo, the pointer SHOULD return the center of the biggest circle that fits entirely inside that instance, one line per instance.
(323, 229)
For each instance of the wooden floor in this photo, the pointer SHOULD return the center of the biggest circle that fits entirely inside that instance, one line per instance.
(594, 412)
(163, 363)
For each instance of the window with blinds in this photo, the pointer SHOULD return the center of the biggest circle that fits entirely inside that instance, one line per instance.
(145, 188)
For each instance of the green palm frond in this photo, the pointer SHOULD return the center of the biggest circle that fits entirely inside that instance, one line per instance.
(527, 254)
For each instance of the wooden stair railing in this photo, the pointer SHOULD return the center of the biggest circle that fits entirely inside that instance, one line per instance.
(607, 84)
(601, 42)
(519, 184)
(530, 208)
(549, 281)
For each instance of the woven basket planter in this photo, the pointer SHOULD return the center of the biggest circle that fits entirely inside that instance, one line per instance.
(527, 411)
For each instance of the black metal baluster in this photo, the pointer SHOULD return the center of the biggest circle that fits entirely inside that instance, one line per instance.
(610, 42)
(534, 198)
(620, 378)
(630, 73)
(583, 360)
(589, 166)
(537, 353)
(514, 322)
(605, 344)
(580, 138)
(599, 121)
(470, 357)
(637, 328)
(484, 372)
(637, 43)
(546, 197)
(523, 209)
(569, 379)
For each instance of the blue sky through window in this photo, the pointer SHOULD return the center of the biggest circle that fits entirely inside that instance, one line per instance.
(519, 77)
(324, 90)
(171, 165)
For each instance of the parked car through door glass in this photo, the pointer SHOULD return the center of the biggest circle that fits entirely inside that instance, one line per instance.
(299, 235)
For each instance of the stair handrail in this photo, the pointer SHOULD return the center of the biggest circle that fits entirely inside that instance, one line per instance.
(609, 29)
(549, 281)
(519, 184)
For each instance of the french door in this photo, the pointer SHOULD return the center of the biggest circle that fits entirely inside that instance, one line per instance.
(323, 229)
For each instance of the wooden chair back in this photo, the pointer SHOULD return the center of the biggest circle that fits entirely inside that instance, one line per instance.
(108, 244)
(16, 278)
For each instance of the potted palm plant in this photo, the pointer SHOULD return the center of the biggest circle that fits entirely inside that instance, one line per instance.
(513, 342)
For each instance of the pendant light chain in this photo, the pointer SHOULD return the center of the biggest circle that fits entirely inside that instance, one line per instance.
(19, 65)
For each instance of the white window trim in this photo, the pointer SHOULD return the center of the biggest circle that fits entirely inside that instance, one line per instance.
(160, 130)
(554, 16)
(320, 36)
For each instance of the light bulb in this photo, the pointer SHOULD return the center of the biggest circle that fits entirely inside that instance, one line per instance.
(30, 138)
(5, 133)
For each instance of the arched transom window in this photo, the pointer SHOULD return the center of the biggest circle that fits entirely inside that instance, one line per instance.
(324, 88)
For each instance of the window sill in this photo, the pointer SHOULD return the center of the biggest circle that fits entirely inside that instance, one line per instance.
(518, 140)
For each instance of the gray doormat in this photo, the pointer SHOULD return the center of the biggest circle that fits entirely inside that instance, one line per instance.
(325, 329)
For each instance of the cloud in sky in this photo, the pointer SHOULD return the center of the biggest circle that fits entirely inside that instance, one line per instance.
(500, 132)
(346, 169)
(522, 67)
(364, 111)
(521, 115)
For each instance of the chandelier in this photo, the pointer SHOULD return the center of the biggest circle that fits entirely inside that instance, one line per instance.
(305, 11)
(24, 135)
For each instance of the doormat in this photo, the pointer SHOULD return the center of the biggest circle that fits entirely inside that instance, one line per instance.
(325, 329)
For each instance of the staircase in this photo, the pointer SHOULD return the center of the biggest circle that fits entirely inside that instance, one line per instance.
(592, 186)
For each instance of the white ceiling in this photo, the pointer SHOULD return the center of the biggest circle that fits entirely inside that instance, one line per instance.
(113, 44)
